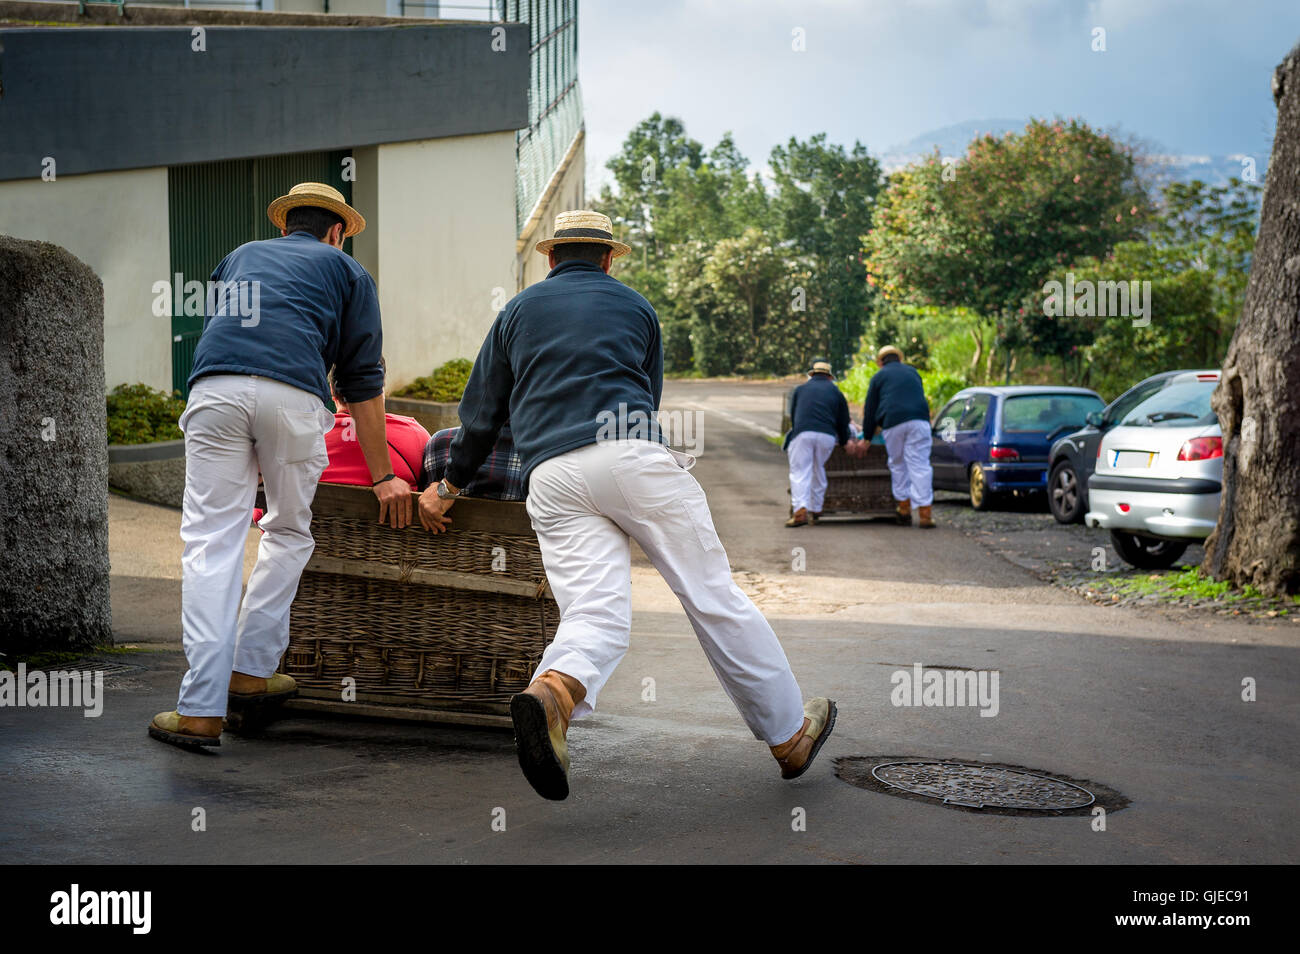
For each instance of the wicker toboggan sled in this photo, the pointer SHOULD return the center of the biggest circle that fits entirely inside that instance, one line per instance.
(436, 627)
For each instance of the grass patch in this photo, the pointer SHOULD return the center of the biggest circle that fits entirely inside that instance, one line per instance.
(1190, 583)
(1191, 586)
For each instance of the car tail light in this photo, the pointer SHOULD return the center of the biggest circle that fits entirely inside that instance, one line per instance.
(1123, 508)
(1201, 448)
(1212, 376)
(1004, 453)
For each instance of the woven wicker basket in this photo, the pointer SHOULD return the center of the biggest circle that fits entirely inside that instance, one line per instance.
(859, 485)
(441, 627)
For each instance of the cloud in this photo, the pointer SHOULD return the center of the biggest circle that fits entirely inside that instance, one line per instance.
(1189, 75)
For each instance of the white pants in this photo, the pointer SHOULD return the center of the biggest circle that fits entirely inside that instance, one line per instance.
(584, 505)
(908, 445)
(236, 424)
(808, 453)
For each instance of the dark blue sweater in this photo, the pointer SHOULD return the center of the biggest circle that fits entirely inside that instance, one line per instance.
(564, 362)
(316, 308)
(818, 405)
(894, 395)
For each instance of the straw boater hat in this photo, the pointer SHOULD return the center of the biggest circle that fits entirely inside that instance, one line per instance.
(888, 350)
(821, 367)
(320, 196)
(582, 225)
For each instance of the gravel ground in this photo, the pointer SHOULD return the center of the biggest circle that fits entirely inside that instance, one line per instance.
(1082, 560)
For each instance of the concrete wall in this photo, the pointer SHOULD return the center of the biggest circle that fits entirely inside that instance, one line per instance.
(91, 96)
(567, 190)
(116, 223)
(441, 244)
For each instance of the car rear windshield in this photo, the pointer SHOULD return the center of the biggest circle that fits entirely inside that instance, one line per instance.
(1179, 405)
(1029, 413)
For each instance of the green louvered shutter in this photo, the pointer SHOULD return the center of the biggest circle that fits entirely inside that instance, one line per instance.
(213, 208)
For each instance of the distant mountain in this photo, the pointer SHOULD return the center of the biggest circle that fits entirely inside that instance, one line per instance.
(951, 140)
(1160, 167)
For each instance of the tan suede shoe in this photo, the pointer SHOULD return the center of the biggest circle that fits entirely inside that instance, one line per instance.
(248, 690)
(799, 519)
(925, 518)
(797, 753)
(185, 731)
(541, 716)
(903, 512)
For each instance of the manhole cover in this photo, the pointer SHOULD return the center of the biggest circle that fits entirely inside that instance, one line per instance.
(974, 786)
(983, 786)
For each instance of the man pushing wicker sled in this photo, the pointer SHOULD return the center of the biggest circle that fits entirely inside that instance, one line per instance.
(563, 358)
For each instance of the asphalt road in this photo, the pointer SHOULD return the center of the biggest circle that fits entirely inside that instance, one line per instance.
(1143, 704)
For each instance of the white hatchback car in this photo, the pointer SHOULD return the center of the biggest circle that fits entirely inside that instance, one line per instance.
(1159, 474)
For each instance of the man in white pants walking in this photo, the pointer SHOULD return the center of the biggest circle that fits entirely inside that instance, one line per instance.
(288, 309)
(575, 363)
(819, 422)
(896, 402)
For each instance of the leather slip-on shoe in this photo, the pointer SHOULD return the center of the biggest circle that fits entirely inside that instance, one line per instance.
(796, 755)
(185, 731)
(543, 751)
(275, 688)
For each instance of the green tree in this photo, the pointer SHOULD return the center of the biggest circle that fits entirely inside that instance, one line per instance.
(741, 300)
(1211, 229)
(1196, 253)
(668, 189)
(676, 204)
(1111, 352)
(986, 231)
(822, 204)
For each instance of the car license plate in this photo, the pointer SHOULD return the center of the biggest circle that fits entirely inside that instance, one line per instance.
(1133, 460)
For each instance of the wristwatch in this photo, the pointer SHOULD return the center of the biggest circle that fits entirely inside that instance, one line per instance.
(444, 491)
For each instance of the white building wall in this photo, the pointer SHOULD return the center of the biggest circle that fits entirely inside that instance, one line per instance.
(440, 242)
(115, 222)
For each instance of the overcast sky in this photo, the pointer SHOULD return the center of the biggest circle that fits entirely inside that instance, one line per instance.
(1186, 76)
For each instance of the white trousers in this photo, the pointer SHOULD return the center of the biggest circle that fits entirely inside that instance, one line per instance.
(585, 505)
(808, 452)
(236, 424)
(908, 445)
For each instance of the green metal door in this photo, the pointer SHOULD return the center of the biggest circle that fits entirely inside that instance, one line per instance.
(213, 208)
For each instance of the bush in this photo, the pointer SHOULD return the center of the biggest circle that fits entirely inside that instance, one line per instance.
(446, 384)
(139, 414)
(939, 386)
(855, 381)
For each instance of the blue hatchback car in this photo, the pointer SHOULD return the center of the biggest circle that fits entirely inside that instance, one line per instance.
(993, 441)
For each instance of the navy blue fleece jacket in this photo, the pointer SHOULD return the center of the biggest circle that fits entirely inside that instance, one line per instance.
(565, 359)
(894, 395)
(315, 308)
(818, 405)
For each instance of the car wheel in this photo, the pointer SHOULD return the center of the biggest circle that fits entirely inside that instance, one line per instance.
(1146, 553)
(981, 498)
(1064, 495)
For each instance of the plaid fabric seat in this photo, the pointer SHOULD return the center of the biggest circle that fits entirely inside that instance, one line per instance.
(500, 477)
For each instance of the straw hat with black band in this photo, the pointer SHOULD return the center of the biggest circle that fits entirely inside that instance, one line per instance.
(320, 196)
(821, 367)
(585, 226)
(886, 351)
